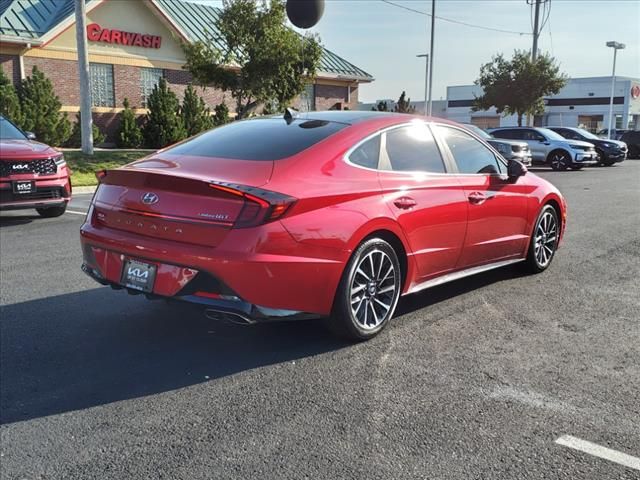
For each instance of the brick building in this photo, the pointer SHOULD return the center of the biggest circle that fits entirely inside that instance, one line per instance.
(132, 43)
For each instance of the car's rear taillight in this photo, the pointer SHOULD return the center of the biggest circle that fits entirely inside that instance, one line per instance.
(260, 206)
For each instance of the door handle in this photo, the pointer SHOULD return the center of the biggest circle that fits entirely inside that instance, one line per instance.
(477, 198)
(405, 203)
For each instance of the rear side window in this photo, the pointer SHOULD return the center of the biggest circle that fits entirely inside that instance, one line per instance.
(262, 139)
(413, 149)
(367, 154)
(470, 155)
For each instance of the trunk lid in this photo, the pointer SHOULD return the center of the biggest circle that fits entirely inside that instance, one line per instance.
(171, 198)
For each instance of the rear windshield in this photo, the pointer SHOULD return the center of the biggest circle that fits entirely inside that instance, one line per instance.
(261, 139)
(8, 131)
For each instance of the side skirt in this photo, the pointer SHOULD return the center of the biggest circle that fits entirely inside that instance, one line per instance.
(450, 277)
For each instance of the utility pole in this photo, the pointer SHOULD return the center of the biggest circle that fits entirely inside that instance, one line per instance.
(83, 70)
(430, 62)
(426, 81)
(534, 49)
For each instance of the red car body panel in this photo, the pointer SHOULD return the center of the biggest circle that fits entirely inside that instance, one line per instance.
(295, 263)
(51, 189)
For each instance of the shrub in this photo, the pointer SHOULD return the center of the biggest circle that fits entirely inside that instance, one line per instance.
(75, 140)
(164, 125)
(41, 110)
(195, 113)
(129, 134)
(221, 114)
(9, 101)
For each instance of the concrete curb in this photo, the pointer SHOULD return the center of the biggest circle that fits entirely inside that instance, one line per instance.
(84, 189)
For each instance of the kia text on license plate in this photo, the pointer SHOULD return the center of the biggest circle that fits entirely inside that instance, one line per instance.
(138, 275)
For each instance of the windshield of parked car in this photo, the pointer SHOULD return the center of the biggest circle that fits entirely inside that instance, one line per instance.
(261, 139)
(550, 134)
(586, 134)
(478, 131)
(8, 131)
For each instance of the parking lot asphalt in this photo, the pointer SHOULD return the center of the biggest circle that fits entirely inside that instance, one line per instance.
(476, 379)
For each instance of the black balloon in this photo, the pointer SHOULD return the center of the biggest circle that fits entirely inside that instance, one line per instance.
(305, 13)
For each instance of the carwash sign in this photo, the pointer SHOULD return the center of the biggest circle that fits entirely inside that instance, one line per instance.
(95, 33)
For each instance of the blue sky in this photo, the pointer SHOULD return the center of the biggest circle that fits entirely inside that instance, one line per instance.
(384, 40)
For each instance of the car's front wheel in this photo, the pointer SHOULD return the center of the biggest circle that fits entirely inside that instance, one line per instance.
(559, 160)
(368, 291)
(51, 212)
(544, 240)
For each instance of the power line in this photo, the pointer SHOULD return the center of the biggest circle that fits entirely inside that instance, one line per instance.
(457, 22)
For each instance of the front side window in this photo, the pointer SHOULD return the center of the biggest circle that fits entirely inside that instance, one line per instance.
(101, 80)
(150, 77)
(413, 149)
(470, 155)
(367, 154)
(8, 131)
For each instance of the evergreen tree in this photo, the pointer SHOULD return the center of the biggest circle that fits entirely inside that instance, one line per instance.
(41, 110)
(195, 113)
(404, 104)
(129, 134)
(75, 140)
(381, 106)
(9, 101)
(164, 125)
(221, 114)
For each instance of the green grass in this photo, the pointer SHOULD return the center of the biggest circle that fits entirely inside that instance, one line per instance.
(84, 166)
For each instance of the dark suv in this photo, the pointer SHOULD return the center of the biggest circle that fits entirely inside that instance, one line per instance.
(632, 139)
(609, 151)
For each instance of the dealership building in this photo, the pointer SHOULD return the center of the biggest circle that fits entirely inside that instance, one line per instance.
(581, 102)
(132, 44)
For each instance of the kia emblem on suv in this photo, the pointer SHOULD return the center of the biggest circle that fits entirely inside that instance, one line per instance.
(150, 198)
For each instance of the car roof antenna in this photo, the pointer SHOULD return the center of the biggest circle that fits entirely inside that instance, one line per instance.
(290, 115)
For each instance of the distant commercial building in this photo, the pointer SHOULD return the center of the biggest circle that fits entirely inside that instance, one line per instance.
(583, 102)
(132, 44)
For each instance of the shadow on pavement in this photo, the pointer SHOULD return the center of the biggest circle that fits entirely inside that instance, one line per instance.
(15, 220)
(94, 347)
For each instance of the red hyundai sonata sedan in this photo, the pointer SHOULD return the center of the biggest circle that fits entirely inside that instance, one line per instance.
(325, 214)
(32, 174)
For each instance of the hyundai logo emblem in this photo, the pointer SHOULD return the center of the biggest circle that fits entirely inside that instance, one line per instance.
(150, 198)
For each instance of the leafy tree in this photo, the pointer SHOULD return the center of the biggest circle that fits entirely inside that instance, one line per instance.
(518, 86)
(41, 110)
(75, 140)
(221, 114)
(129, 134)
(195, 113)
(273, 62)
(404, 104)
(164, 125)
(9, 101)
(381, 107)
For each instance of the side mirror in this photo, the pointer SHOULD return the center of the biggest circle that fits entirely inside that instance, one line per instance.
(30, 135)
(515, 169)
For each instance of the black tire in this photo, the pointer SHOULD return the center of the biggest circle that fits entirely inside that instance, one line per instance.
(360, 314)
(536, 261)
(559, 160)
(52, 212)
(604, 161)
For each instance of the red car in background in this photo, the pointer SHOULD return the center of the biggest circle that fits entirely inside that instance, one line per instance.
(32, 174)
(324, 214)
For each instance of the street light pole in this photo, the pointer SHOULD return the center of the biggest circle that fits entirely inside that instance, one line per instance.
(86, 125)
(616, 46)
(426, 80)
(430, 59)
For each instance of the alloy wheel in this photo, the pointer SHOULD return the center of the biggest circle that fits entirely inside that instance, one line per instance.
(546, 239)
(373, 289)
(558, 161)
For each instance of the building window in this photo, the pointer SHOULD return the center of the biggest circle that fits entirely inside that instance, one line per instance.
(101, 80)
(308, 98)
(150, 77)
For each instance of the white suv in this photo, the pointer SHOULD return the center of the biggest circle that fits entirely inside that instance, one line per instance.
(549, 147)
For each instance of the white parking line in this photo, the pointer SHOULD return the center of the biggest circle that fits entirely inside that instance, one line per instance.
(598, 451)
(76, 213)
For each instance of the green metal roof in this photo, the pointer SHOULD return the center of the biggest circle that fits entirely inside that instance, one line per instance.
(31, 19)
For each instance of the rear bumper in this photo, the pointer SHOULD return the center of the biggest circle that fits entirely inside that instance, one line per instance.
(270, 274)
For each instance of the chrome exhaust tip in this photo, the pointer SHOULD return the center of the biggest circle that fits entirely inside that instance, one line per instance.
(234, 318)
